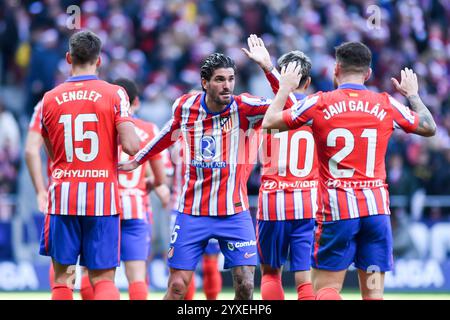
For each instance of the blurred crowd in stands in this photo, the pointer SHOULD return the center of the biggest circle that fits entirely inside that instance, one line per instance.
(161, 43)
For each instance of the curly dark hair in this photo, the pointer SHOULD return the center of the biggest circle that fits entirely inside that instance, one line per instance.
(215, 61)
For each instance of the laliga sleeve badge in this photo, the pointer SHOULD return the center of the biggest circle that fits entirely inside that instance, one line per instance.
(170, 252)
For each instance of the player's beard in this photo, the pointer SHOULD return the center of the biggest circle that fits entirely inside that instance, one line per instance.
(222, 101)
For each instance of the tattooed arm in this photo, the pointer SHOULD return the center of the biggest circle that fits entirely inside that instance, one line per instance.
(427, 126)
(409, 87)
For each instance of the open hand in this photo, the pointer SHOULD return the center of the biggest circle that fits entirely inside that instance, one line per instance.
(290, 76)
(257, 52)
(408, 85)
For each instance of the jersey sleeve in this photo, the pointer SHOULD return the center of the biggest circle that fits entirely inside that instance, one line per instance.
(301, 112)
(274, 79)
(168, 136)
(254, 106)
(404, 118)
(121, 107)
(154, 132)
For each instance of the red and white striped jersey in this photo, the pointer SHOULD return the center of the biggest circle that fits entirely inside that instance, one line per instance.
(35, 126)
(79, 119)
(289, 175)
(176, 155)
(351, 127)
(132, 186)
(218, 151)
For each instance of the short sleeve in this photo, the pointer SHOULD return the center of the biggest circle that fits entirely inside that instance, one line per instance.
(301, 112)
(403, 117)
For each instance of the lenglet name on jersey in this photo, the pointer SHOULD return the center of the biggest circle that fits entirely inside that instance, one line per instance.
(352, 106)
(90, 95)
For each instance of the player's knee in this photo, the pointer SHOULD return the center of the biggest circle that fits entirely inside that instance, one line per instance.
(177, 288)
(244, 289)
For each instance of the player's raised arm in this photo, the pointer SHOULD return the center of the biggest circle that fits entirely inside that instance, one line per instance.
(257, 52)
(409, 87)
(290, 78)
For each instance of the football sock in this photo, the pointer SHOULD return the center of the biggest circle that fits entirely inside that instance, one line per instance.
(271, 287)
(212, 279)
(86, 290)
(106, 290)
(138, 290)
(305, 291)
(61, 292)
(328, 294)
(190, 290)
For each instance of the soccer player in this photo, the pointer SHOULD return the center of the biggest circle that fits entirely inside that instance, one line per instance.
(288, 193)
(33, 145)
(351, 127)
(81, 121)
(214, 127)
(212, 279)
(135, 226)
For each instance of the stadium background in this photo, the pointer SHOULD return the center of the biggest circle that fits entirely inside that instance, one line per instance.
(160, 44)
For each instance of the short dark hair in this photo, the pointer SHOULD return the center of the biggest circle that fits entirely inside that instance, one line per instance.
(215, 61)
(129, 86)
(84, 47)
(301, 59)
(354, 57)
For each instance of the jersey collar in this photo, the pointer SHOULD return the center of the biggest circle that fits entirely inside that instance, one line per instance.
(353, 86)
(203, 103)
(82, 78)
(299, 96)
